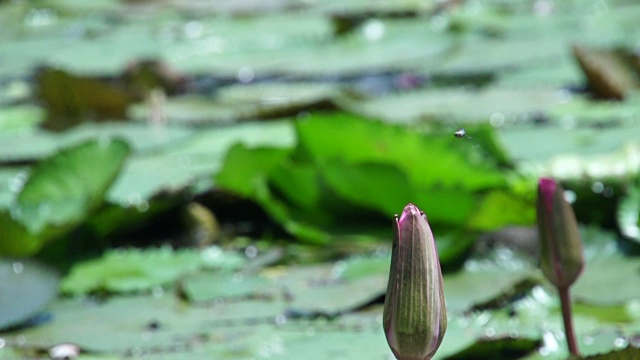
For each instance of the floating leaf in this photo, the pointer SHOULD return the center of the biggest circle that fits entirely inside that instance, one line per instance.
(142, 323)
(207, 287)
(25, 288)
(131, 270)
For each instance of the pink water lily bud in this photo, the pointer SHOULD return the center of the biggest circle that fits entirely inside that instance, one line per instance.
(415, 315)
(561, 254)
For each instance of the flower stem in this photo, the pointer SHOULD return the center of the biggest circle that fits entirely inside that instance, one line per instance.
(565, 302)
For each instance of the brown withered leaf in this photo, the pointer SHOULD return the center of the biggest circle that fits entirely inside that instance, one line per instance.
(608, 74)
(71, 99)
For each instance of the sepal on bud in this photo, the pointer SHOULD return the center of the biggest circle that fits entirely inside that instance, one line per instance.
(415, 316)
(561, 254)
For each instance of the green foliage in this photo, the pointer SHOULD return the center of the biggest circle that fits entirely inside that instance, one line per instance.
(59, 194)
(345, 167)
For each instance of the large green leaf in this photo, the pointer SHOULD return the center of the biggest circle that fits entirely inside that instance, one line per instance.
(62, 189)
(428, 160)
(59, 193)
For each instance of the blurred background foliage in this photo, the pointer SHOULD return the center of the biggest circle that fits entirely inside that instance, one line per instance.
(216, 179)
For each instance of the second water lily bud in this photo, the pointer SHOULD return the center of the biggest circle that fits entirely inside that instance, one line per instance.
(415, 316)
(561, 254)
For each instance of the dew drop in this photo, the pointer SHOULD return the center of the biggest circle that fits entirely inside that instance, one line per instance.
(373, 30)
(564, 96)
(193, 29)
(550, 343)
(570, 196)
(251, 251)
(280, 319)
(246, 74)
(463, 322)
(620, 342)
(568, 122)
(489, 332)
(338, 269)
(21, 340)
(497, 120)
(18, 267)
(212, 254)
(66, 351)
(40, 17)
(608, 192)
(157, 292)
(17, 182)
(310, 331)
(588, 340)
(597, 187)
(439, 22)
(143, 206)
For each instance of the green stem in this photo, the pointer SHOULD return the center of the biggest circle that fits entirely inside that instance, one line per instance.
(565, 302)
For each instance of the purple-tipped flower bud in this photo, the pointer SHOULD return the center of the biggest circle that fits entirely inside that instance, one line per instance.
(415, 316)
(561, 255)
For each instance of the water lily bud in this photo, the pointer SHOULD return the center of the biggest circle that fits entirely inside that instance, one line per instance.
(415, 316)
(561, 255)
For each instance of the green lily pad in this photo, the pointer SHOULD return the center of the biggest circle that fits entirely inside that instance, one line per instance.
(457, 105)
(141, 324)
(605, 272)
(242, 102)
(207, 287)
(25, 288)
(131, 270)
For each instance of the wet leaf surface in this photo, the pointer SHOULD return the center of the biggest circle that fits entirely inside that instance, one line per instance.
(293, 123)
(25, 288)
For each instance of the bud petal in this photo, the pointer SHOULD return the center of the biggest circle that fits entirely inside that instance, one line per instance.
(415, 316)
(561, 255)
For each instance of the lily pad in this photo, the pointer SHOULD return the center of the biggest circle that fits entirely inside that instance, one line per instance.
(143, 324)
(242, 102)
(207, 287)
(457, 105)
(25, 288)
(122, 271)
